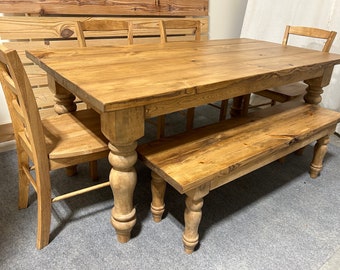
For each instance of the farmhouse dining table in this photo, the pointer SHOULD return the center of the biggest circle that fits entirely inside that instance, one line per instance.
(128, 84)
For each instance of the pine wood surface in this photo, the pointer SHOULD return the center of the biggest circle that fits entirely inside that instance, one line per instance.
(221, 152)
(36, 32)
(167, 77)
(122, 7)
(28, 33)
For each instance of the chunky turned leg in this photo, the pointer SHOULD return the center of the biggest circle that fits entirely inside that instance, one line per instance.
(158, 186)
(71, 170)
(314, 89)
(123, 128)
(320, 149)
(313, 95)
(64, 103)
(240, 106)
(236, 107)
(192, 217)
(123, 180)
(64, 99)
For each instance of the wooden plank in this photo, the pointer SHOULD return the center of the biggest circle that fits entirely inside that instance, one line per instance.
(28, 28)
(121, 7)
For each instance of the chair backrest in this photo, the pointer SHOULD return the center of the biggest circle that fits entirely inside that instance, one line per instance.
(171, 27)
(328, 36)
(103, 29)
(27, 125)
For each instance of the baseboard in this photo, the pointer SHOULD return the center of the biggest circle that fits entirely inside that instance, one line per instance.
(7, 146)
(6, 132)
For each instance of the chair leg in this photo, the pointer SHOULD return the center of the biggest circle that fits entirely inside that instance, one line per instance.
(190, 118)
(71, 170)
(299, 152)
(192, 217)
(160, 126)
(44, 208)
(158, 186)
(93, 165)
(24, 182)
(282, 160)
(245, 105)
(320, 150)
(223, 109)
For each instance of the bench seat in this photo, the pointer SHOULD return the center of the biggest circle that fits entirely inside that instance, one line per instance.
(205, 158)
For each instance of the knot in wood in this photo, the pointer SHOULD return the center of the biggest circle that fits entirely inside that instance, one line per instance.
(66, 33)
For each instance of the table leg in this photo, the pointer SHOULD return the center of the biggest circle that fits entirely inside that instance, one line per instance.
(123, 180)
(123, 128)
(236, 106)
(64, 103)
(240, 106)
(64, 100)
(314, 89)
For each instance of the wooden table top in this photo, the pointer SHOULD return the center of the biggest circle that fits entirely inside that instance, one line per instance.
(112, 78)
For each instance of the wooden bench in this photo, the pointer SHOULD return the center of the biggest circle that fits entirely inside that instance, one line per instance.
(47, 24)
(205, 158)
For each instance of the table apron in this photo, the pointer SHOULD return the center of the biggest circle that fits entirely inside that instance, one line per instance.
(226, 90)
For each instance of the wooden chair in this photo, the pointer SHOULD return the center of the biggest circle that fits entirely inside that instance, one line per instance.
(170, 30)
(100, 32)
(102, 29)
(44, 145)
(173, 28)
(294, 90)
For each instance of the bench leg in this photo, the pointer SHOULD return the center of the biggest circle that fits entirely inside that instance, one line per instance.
(158, 186)
(320, 150)
(192, 217)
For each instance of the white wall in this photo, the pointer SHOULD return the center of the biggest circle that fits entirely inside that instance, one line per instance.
(226, 18)
(4, 115)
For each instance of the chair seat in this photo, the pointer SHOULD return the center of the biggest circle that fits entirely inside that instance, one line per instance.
(81, 134)
(284, 93)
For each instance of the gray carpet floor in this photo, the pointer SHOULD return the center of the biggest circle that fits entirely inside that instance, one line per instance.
(274, 218)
